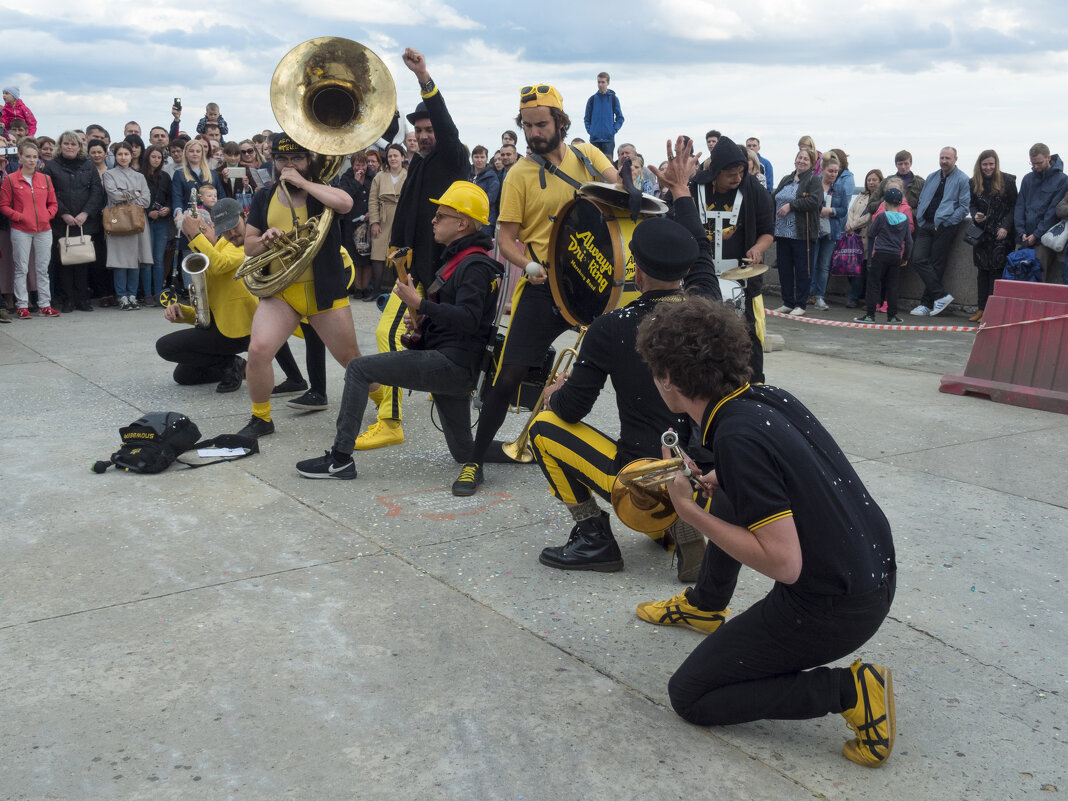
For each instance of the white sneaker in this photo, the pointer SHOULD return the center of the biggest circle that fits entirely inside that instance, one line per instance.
(921, 311)
(797, 312)
(782, 310)
(941, 304)
(821, 305)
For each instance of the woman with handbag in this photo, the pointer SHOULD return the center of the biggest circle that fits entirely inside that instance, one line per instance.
(29, 201)
(81, 197)
(159, 221)
(798, 199)
(857, 222)
(993, 201)
(128, 237)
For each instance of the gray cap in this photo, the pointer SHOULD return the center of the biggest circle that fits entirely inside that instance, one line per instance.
(226, 214)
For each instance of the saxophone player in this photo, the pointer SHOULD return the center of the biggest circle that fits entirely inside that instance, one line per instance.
(210, 354)
(320, 293)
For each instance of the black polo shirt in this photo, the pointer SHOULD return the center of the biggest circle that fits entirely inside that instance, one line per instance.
(775, 460)
(608, 351)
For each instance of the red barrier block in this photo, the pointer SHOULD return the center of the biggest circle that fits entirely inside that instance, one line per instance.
(1025, 365)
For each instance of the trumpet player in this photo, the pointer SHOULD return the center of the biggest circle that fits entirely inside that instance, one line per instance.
(799, 514)
(320, 293)
(211, 354)
(580, 462)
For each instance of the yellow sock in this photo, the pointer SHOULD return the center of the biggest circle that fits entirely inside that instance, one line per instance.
(262, 411)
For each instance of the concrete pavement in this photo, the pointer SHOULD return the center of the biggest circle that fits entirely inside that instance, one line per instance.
(239, 632)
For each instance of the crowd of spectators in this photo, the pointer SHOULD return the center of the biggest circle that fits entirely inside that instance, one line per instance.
(65, 184)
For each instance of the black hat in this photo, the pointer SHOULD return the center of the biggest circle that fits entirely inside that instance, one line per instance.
(225, 214)
(893, 196)
(420, 113)
(282, 143)
(663, 249)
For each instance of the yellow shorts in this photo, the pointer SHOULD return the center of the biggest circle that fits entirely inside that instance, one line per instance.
(301, 296)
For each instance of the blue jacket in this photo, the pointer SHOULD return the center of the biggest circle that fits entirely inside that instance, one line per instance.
(603, 117)
(769, 174)
(841, 197)
(955, 200)
(1040, 192)
(489, 183)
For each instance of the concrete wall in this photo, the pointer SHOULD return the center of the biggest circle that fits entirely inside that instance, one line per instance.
(959, 279)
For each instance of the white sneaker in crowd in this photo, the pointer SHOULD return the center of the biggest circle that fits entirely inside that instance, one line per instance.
(797, 312)
(782, 310)
(821, 305)
(941, 304)
(921, 311)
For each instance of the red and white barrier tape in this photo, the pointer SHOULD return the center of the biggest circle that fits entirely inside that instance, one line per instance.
(902, 327)
(872, 326)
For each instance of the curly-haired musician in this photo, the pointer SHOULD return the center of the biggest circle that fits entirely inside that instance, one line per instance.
(320, 293)
(441, 161)
(532, 195)
(458, 315)
(787, 502)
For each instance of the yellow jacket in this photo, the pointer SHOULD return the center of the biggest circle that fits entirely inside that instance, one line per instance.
(231, 304)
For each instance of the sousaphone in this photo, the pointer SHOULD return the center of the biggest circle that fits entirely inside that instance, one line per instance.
(334, 97)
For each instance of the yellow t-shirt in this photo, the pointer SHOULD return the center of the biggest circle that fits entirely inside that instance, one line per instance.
(523, 200)
(280, 217)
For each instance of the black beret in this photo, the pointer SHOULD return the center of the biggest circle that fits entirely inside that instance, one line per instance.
(663, 249)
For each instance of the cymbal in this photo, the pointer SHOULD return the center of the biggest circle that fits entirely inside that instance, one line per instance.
(741, 273)
(617, 197)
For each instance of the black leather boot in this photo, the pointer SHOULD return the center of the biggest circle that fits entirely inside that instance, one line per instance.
(591, 546)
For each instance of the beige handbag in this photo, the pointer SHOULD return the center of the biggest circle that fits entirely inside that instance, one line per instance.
(76, 249)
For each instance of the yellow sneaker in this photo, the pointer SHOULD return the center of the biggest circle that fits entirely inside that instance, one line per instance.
(678, 611)
(872, 719)
(381, 434)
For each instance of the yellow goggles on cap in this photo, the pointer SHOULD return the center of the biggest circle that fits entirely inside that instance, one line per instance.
(540, 95)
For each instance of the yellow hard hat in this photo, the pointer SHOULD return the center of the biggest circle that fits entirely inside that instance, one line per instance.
(466, 198)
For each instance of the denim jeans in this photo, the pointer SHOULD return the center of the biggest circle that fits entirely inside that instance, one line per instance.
(125, 282)
(152, 274)
(422, 370)
(21, 242)
(822, 270)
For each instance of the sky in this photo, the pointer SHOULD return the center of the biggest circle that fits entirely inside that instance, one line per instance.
(870, 78)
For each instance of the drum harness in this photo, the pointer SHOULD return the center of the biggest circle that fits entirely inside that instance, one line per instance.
(718, 217)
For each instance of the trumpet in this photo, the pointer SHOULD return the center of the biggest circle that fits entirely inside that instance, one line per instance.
(639, 493)
(518, 450)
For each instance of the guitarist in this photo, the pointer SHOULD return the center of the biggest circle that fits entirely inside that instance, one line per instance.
(456, 322)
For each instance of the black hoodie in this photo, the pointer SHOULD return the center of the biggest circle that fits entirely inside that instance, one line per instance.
(758, 210)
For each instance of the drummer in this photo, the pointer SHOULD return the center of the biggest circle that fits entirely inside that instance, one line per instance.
(535, 190)
(739, 219)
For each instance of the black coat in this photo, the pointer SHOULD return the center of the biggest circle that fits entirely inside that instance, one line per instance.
(807, 203)
(78, 189)
(360, 194)
(160, 189)
(428, 177)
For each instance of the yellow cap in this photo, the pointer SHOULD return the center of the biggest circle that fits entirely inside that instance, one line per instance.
(540, 95)
(466, 198)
